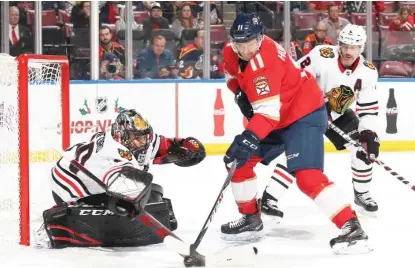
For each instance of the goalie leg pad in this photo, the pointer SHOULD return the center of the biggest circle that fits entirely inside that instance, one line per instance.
(349, 123)
(90, 226)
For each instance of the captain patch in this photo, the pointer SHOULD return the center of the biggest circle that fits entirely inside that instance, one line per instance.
(261, 85)
(326, 52)
(125, 154)
(369, 65)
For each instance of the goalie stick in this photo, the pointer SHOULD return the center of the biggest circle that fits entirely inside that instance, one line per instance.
(188, 260)
(379, 162)
(170, 240)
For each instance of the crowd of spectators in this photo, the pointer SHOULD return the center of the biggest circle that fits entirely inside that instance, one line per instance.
(168, 41)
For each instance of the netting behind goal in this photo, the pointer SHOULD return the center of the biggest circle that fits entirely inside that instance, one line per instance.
(32, 113)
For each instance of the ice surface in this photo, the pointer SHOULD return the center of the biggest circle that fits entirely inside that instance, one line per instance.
(301, 240)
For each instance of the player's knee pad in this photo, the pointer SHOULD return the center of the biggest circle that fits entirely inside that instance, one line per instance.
(311, 181)
(349, 123)
(86, 225)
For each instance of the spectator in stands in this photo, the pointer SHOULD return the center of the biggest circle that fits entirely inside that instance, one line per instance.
(215, 15)
(108, 46)
(400, 28)
(108, 12)
(319, 37)
(80, 15)
(323, 6)
(184, 20)
(20, 37)
(156, 62)
(111, 68)
(171, 9)
(360, 6)
(191, 60)
(155, 21)
(120, 24)
(334, 23)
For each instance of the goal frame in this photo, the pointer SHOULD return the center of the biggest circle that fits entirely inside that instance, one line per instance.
(24, 149)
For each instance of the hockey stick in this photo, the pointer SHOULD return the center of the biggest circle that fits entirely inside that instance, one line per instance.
(379, 162)
(170, 240)
(158, 228)
(188, 260)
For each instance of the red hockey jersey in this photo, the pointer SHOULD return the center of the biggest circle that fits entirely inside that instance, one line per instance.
(279, 91)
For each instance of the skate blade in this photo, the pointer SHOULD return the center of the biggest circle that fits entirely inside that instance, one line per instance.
(370, 214)
(358, 247)
(268, 217)
(249, 236)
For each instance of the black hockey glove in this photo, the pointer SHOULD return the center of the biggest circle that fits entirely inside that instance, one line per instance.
(370, 142)
(242, 148)
(244, 105)
(190, 152)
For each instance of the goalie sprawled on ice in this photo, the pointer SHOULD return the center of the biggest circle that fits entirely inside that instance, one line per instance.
(86, 214)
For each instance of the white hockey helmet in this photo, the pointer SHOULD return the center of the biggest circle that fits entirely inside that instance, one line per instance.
(353, 35)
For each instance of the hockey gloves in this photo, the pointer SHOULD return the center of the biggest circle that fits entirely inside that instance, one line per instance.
(242, 148)
(244, 105)
(370, 142)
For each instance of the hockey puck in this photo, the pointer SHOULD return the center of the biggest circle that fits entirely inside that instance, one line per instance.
(192, 261)
(255, 250)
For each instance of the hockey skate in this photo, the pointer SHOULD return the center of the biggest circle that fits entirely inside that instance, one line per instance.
(353, 239)
(41, 238)
(365, 204)
(247, 228)
(269, 207)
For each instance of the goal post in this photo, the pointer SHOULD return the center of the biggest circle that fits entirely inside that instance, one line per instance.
(34, 125)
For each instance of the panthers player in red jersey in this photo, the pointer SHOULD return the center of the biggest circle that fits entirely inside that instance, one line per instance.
(288, 110)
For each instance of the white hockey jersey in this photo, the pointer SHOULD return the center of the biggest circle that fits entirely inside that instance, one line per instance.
(323, 62)
(102, 156)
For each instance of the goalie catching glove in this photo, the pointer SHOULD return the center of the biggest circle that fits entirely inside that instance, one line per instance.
(184, 152)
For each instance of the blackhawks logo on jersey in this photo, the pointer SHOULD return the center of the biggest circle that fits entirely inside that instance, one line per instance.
(369, 65)
(125, 154)
(326, 52)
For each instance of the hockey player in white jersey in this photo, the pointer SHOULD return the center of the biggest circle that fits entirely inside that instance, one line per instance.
(85, 214)
(345, 76)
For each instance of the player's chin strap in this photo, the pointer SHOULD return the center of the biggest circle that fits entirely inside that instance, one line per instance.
(379, 162)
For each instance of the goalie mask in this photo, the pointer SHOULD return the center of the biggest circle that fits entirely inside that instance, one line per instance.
(133, 131)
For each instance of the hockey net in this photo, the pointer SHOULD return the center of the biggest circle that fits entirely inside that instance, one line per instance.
(34, 125)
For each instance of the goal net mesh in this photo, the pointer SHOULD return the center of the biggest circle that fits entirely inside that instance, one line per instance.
(44, 110)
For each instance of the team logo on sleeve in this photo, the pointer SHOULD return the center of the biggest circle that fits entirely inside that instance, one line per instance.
(261, 85)
(125, 154)
(369, 65)
(326, 52)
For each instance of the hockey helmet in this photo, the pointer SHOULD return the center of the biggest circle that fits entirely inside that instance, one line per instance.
(353, 35)
(133, 131)
(246, 27)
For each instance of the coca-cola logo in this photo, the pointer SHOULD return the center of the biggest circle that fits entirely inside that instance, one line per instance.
(220, 111)
(392, 111)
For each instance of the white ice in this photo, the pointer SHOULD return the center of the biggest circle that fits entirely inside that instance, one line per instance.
(301, 240)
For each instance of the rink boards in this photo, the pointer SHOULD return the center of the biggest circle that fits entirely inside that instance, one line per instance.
(193, 108)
